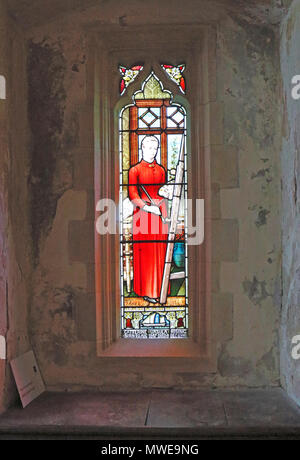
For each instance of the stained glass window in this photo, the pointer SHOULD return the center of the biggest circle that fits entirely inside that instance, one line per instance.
(153, 191)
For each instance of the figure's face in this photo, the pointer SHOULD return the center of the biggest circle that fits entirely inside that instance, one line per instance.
(149, 150)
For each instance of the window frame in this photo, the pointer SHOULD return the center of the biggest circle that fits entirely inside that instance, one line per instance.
(196, 46)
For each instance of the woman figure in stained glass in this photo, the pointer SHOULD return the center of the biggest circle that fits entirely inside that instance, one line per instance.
(150, 229)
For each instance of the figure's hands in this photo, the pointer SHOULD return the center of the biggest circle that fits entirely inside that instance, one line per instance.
(153, 209)
(167, 191)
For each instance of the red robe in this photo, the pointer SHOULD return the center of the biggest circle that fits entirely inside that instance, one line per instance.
(148, 258)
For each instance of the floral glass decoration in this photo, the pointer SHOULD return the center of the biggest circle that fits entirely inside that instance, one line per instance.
(128, 76)
(175, 74)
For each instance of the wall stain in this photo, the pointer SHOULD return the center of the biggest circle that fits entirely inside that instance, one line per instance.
(255, 290)
(56, 351)
(230, 366)
(262, 217)
(260, 173)
(65, 298)
(46, 105)
(268, 360)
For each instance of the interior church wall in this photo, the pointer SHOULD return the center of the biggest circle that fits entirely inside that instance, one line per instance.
(246, 289)
(15, 241)
(247, 73)
(290, 323)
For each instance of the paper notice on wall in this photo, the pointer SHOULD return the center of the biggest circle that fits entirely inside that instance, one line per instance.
(28, 378)
(2, 347)
(2, 87)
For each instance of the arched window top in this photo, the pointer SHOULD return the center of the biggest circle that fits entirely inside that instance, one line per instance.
(152, 88)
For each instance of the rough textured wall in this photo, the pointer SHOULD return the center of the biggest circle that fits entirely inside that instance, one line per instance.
(248, 86)
(62, 318)
(290, 158)
(34, 12)
(15, 242)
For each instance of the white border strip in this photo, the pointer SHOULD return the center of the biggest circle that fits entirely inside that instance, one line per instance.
(2, 347)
